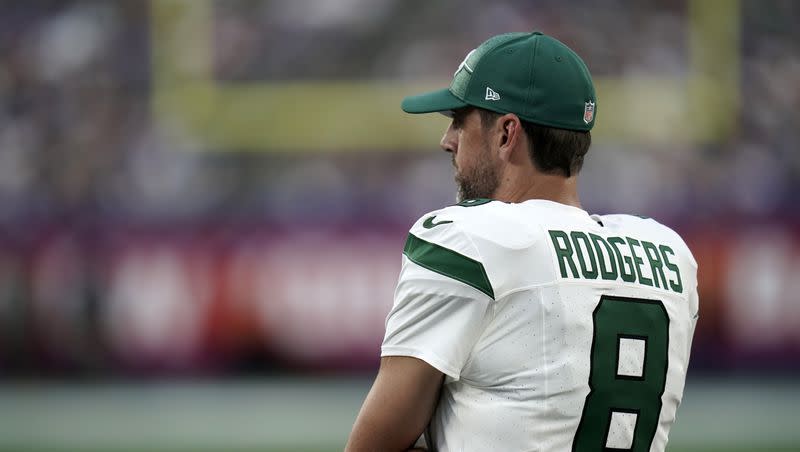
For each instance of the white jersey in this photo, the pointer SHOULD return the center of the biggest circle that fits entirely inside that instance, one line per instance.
(557, 330)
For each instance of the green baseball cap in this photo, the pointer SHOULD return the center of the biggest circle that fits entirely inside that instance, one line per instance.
(532, 75)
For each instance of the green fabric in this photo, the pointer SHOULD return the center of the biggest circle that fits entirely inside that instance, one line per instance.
(533, 75)
(459, 85)
(435, 101)
(617, 318)
(474, 202)
(448, 263)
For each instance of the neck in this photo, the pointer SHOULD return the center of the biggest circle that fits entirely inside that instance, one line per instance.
(550, 187)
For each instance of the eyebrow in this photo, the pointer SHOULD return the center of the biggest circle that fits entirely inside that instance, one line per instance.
(461, 114)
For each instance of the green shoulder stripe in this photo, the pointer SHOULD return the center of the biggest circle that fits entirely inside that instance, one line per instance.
(448, 263)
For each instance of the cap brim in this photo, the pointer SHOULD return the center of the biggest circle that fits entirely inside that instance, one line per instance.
(440, 101)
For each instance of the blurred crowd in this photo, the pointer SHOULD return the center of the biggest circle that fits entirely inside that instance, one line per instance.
(127, 244)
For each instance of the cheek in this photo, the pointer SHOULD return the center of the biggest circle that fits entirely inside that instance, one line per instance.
(465, 150)
(469, 154)
(461, 161)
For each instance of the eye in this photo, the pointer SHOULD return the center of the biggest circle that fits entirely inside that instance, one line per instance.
(458, 117)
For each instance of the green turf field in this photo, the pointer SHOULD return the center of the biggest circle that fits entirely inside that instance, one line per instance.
(339, 449)
(315, 415)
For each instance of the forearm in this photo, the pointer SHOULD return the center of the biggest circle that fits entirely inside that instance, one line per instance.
(381, 428)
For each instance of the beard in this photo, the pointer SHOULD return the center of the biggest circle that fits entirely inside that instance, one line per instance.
(481, 181)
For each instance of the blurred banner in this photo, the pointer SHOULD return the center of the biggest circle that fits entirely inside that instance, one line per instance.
(201, 187)
(267, 299)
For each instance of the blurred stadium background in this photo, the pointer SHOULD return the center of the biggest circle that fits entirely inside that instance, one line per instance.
(203, 204)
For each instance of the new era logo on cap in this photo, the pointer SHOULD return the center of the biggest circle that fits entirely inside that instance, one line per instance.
(492, 94)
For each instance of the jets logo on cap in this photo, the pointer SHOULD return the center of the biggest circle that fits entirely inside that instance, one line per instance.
(588, 112)
(494, 95)
(464, 64)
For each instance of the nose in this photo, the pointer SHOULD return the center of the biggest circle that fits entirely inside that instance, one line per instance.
(449, 141)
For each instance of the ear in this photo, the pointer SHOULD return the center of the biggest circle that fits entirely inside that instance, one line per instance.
(510, 135)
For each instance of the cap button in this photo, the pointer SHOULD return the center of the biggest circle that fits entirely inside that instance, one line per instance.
(536, 33)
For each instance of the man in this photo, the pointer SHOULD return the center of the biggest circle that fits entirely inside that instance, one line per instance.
(520, 321)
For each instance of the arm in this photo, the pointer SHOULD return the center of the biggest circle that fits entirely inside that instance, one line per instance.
(398, 407)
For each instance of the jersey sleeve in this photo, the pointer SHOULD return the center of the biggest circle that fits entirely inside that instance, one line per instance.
(443, 298)
(694, 299)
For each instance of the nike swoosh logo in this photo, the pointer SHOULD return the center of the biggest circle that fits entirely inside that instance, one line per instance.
(428, 223)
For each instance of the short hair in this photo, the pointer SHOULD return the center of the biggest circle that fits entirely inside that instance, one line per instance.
(552, 150)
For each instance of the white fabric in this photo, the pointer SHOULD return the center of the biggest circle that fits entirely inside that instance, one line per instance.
(631, 357)
(620, 434)
(517, 365)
